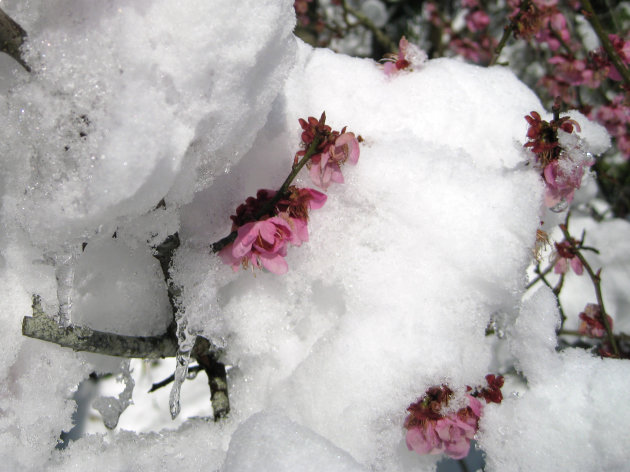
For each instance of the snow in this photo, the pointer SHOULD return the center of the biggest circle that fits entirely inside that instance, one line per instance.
(426, 243)
(571, 401)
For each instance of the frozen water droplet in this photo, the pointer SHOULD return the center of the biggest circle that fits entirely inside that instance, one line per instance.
(111, 408)
(560, 207)
(65, 264)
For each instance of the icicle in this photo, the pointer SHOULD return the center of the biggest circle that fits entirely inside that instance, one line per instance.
(65, 263)
(186, 342)
(111, 408)
(183, 359)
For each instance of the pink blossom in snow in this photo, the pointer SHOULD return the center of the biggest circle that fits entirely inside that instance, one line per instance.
(325, 167)
(261, 243)
(432, 431)
(409, 56)
(562, 177)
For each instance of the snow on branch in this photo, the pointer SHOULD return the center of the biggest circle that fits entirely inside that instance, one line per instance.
(41, 326)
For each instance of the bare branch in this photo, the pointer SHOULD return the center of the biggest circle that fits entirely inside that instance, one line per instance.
(12, 36)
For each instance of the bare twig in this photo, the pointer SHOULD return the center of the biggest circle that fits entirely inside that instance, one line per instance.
(380, 36)
(170, 378)
(595, 278)
(606, 44)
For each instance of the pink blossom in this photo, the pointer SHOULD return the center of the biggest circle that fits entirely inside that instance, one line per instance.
(555, 26)
(477, 20)
(261, 243)
(565, 256)
(325, 167)
(622, 48)
(592, 323)
(430, 430)
(562, 177)
(409, 55)
(450, 433)
(615, 116)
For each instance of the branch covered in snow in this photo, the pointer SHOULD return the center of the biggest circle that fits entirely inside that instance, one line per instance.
(41, 326)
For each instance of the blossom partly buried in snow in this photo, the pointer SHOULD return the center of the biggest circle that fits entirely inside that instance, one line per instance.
(409, 56)
(261, 243)
(591, 322)
(566, 256)
(325, 167)
(562, 164)
(562, 177)
(432, 429)
(264, 234)
(334, 148)
(264, 226)
(434, 425)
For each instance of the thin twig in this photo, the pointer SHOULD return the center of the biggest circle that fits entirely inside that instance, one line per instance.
(606, 44)
(596, 279)
(540, 275)
(381, 37)
(170, 378)
(507, 32)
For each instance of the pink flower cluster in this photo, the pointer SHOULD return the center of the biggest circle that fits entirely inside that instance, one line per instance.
(561, 171)
(539, 19)
(409, 56)
(262, 241)
(335, 148)
(615, 116)
(434, 428)
(474, 42)
(590, 71)
(265, 225)
(476, 19)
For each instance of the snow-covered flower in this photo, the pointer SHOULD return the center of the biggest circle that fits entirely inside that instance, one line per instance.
(325, 167)
(409, 56)
(562, 178)
(431, 429)
(561, 163)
